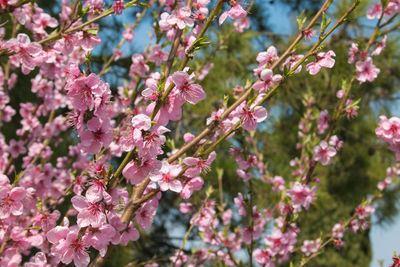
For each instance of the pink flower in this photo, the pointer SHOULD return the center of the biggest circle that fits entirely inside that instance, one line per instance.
(39, 260)
(380, 47)
(324, 153)
(241, 204)
(199, 165)
(268, 79)
(139, 66)
(382, 185)
(301, 195)
(278, 183)
(130, 234)
(89, 213)
(366, 70)
(135, 172)
(11, 201)
(291, 62)
(157, 55)
(166, 177)
(83, 90)
(323, 121)
(146, 215)
(189, 91)
(28, 54)
(335, 142)
(98, 134)
(97, 192)
(128, 34)
(353, 51)
(375, 11)
(310, 246)
(118, 6)
(67, 246)
(192, 185)
(100, 237)
(263, 257)
(236, 12)
(323, 60)
(251, 118)
(182, 18)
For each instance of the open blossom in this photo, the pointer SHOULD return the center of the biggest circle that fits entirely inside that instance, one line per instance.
(301, 195)
(236, 12)
(310, 246)
(199, 165)
(28, 54)
(323, 60)
(194, 184)
(324, 153)
(277, 182)
(189, 91)
(98, 134)
(380, 47)
(251, 118)
(263, 257)
(182, 18)
(139, 66)
(11, 201)
(90, 213)
(136, 171)
(157, 55)
(166, 177)
(366, 70)
(68, 247)
(268, 79)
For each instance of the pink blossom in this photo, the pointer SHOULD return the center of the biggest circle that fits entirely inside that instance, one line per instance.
(97, 191)
(353, 51)
(10, 201)
(375, 11)
(146, 215)
(291, 62)
(263, 257)
(129, 234)
(194, 184)
(241, 24)
(39, 260)
(157, 55)
(28, 54)
(335, 142)
(301, 195)
(199, 165)
(182, 18)
(139, 66)
(380, 47)
(366, 70)
(68, 247)
(268, 79)
(323, 121)
(278, 183)
(324, 153)
(97, 135)
(166, 177)
(128, 34)
(251, 118)
(323, 60)
(310, 246)
(241, 204)
(100, 237)
(236, 12)
(382, 185)
(118, 6)
(89, 213)
(189, 91)
(135, 171)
